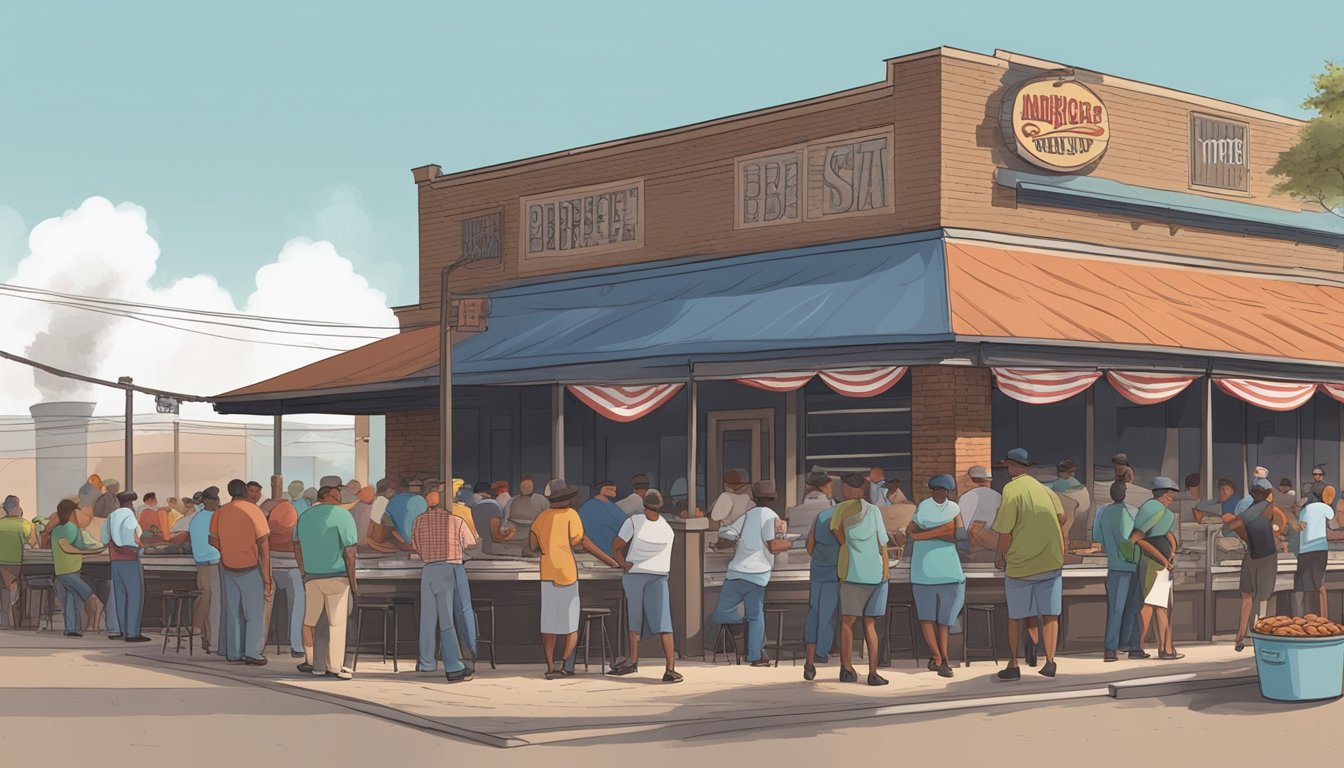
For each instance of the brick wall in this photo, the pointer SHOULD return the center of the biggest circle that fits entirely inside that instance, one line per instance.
(951, 423)
(412, 443)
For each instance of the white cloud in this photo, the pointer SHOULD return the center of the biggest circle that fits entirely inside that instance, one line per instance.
(105, 250)
(342, 219)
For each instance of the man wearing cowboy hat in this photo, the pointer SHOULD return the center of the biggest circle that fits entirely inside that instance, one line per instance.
(554, 535)
(1031, 555)
(742, 597)
(733, 503)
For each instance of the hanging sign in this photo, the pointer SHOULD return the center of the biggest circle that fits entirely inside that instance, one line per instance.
(1057, 124)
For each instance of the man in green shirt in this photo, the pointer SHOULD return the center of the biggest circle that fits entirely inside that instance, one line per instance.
(15, 532)
(1154, 533)
(324, 545)
(67, 557)
(1031, 554)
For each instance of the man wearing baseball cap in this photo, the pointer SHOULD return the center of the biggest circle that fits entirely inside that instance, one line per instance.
(1259, 567)
(1031, 555)
(634, 503)
(207, 617)
(1155, 534)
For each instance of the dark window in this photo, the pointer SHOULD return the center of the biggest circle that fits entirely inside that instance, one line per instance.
(855, 434)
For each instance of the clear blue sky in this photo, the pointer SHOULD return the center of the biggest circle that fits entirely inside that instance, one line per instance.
(239, 125)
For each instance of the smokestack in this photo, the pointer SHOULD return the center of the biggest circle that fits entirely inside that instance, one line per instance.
(62, 452)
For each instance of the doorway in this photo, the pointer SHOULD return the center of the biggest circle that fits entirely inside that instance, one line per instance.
(740, 440)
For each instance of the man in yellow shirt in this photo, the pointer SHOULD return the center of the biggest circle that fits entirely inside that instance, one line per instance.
(555, 534)
(15, 532)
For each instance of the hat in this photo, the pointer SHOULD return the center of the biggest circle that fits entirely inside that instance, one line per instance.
(942, 482)
(1019, 456)
(1262, 484)
(1067, 465)
(763, 490)
(1318, 468)
(978, 473)
(199, 496)
(295, 489)
(1164, 484)
(603, 484)
(558, 490)
(1120, 458)
(126, 497)
(1261, 472)
(854, 480)
(640, 481)
(332, 480)
(653, 499)
(734, 478)
(817, 477)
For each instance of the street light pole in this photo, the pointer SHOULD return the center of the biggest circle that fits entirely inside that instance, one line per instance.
(129, 483)
(446, 388)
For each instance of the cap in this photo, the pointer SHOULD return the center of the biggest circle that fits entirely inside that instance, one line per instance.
(1164, 484)
(126, 497)
(1067, 465)
(640, 481)
(653, 499)
(1120, 458)
(735, 477)
(1019, 456)
(559, 490)
(332, 480)
(1262, 484)
(978, 473)
(817, 478)
(763, 490)
(854, 480)
(1318, 468)
(942, 482)
(1261, 472)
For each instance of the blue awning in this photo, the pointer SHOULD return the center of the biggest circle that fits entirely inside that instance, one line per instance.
(651, 323)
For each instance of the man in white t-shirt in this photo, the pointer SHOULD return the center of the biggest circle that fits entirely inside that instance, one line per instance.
(644, 549)
(742, 597)
(979, 505)
(733, 503)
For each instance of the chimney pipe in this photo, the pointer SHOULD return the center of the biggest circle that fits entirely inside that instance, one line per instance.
(62, 441)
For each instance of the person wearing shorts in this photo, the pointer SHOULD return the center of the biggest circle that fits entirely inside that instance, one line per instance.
(1155, 534)
(1310, 541)
(1031, 555)
(863, 571)
(1260, 566)
(643, 547)
(936, 577)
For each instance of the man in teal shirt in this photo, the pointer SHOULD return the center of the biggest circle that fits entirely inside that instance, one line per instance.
(823, 600)
(863, 570)
(324, 545)
(1154, 533)
(1066, 470)
(1124, 599)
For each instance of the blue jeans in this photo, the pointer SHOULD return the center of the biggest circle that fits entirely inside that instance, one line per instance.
(76, 591)
(128, 587)
(289, 581)
(1120, 617)
(243, 607)
(739, 601)
(1133, 604)
(823, 612)
(439, 605)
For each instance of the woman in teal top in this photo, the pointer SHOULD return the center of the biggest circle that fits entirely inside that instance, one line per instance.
(936, 578)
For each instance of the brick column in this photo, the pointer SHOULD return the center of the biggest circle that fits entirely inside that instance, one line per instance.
(951, 423)
(413, 444)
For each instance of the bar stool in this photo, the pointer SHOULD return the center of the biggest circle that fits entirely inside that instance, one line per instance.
(778, 611)
(273, 633)
(911, 628)
(989, 611)
(45, 587)
(176, 605)
(587, 618)
(479, 606)
(723, 640)
(622, 624)
(405, 601)
(387, 612)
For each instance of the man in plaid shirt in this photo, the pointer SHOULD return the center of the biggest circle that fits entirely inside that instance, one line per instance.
(445, 597)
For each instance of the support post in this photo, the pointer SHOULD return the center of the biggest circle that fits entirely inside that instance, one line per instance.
(692, 447)
(688, 550)
(794, 473)
(129, 483)
(557, 431)
(177, 457)
(1206, 442)
(277, 445)
(445, 382)
(1090, 444)
(362, 450)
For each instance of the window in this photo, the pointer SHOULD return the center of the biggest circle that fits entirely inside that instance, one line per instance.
(1160, 439)
(855, 434)
(1049, 433)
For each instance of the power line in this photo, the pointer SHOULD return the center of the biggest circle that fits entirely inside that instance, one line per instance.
(91, 380)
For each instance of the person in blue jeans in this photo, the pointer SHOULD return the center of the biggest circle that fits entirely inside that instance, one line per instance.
(823, 599)
(742, 597)
(67, 555)
(1124, 597)
(121, 536)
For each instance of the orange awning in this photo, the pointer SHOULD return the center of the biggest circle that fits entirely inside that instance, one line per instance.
(1025, 295)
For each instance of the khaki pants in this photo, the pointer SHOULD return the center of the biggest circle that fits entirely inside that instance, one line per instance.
(206, 616)
(331, 595)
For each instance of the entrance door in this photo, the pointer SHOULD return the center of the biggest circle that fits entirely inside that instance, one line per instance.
(739, 440)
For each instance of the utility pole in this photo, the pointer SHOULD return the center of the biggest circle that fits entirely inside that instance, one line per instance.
(446, 386)
(129, 483)
(177, 457)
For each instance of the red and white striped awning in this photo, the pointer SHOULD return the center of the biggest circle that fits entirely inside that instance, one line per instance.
(1148, 388)
(851, 382)
(625, 403)
(1270, 395)
(1040, 386)
(1334, 390)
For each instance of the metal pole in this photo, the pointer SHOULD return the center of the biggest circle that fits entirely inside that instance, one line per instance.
(277, 445)
(692, 440)
(1206, 442)
(557, 431)
(177, 457)
(445, 382)
(129, 483)
(1090, 443)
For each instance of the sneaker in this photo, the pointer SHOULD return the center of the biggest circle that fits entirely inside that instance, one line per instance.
(761, 662)
(138, 639)
(306, 668)
(809, 672)
(115, 636)
(236, 661)
(848, 676)
(1110, 656)
(255, 662)
(623, 668)
(1049, 669)
(1031, 653)
(74, 634)
(461, 676)
(344, 674)
(297, 654)
(670, 676)
(944, 670)
(1010, 674)
(876, 679)
(1135, 655)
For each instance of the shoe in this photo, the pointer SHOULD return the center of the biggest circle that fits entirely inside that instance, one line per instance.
(74, 634)
(255, 662)
(115, 636)
(1170, 656)
(933, 665)
(1048, 670)
(823, 659)
(236, 661)
(1239, 647)
(1110, 656)
(848, 676)
(137, 639)
(623, 668)
(553, 675)
(1139, 655)
(306, 668)
(568, 673)
(761, 662)
(671, 676)
(809, 672)
(944, 670)
(876, 679)
(460, 676)
(1010, 674)
(1031, 653)
(297, 654)
(344, 674)
(206, 649)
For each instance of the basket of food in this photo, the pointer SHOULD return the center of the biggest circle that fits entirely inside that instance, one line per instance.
(1299, 658)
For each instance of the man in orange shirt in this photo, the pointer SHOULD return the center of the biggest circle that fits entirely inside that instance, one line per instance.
(282, 516)
(555, 534)
(153, 520)
(242, 535)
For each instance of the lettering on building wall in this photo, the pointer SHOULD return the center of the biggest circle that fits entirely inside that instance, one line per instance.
(850, 175)
(481, 238)
(1219, 153)
(471, 314)
(1059, 125)
(587, 220)
(769, 188)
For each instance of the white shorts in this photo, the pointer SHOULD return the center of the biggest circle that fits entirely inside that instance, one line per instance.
(559, 608)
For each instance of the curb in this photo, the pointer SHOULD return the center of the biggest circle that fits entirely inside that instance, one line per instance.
(1171, 685)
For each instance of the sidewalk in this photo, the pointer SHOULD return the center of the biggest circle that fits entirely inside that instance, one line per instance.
(515, 706)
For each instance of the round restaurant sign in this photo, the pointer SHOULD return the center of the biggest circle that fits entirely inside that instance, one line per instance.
(1060, 125)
